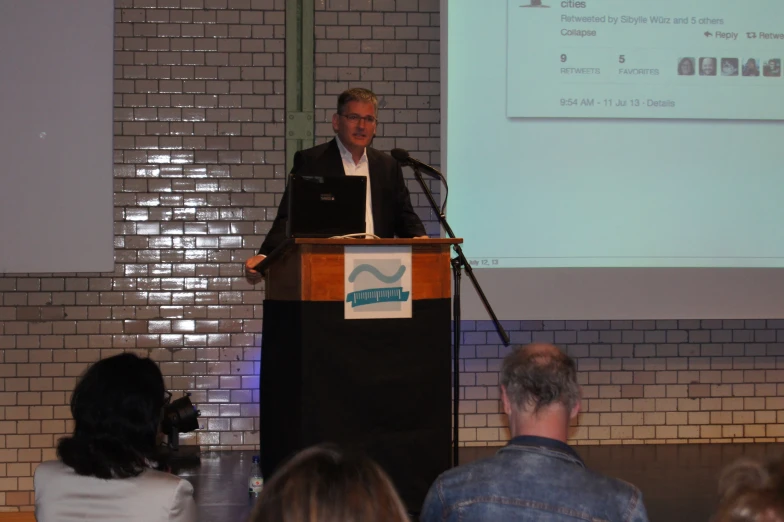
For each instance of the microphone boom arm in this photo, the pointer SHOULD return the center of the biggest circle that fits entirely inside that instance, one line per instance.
(460, 256)
(458, 263)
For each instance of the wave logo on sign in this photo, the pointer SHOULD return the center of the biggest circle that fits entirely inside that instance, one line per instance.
(386, 294)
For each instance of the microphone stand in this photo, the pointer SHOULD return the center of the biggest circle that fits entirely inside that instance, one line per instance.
(459, 262)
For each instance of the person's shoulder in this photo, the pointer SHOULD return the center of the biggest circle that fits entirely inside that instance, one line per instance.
(165, 480)
(605, 486)
(608, 481)
(381, 160)
(51, 468)
(480, 478)
(169, 490)
(318, 150)
(471, 473)
(375, 154)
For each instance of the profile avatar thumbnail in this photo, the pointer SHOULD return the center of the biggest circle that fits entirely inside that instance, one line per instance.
(772, 67)
(707, 66)
(751, 67)
(686, 66)
(729, 66)
(535, 3)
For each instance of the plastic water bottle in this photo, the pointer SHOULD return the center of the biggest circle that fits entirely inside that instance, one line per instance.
(255, 479)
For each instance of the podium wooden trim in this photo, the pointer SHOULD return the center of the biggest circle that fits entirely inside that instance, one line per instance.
(313, 269)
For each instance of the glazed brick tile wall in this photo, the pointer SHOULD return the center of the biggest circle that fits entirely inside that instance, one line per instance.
(199, 170)
(643, 382)
(198, 164)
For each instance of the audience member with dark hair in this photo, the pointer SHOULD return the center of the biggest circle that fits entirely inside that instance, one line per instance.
(324, 484)
(537, 476)
(750, 491)
(104, 471)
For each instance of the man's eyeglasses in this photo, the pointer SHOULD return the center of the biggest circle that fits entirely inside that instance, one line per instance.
(355, 118)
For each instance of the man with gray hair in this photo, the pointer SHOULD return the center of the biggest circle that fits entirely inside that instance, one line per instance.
(537, 476)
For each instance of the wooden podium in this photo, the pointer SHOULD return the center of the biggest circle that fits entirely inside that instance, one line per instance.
(381, 386)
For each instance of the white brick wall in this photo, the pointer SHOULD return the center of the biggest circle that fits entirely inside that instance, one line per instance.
(643, 382)
(199, 111)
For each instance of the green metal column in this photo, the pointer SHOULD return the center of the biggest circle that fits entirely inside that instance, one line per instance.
(300, 86)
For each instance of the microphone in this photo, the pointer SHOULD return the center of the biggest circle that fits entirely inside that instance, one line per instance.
(404, 158)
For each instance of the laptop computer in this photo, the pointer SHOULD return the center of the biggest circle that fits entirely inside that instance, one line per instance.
(326, 206)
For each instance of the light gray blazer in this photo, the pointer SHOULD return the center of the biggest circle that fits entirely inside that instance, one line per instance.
(154, 496)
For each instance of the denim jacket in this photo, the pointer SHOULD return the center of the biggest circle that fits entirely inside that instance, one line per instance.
(531, 479)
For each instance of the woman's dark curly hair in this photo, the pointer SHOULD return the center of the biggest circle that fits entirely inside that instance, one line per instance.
(116, 408)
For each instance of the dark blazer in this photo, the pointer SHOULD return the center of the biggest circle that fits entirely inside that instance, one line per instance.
(393, 214)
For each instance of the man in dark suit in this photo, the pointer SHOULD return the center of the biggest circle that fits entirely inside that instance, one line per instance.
(388, 204)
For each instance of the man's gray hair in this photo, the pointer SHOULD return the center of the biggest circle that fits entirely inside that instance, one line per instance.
(357, 95)
(536, 376)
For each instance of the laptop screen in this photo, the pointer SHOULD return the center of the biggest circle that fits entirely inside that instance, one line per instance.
(326, 206)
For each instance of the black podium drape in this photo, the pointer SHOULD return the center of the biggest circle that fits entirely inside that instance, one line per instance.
(381, 386)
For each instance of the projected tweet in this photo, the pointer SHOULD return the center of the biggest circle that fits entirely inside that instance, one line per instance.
(645, 59)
